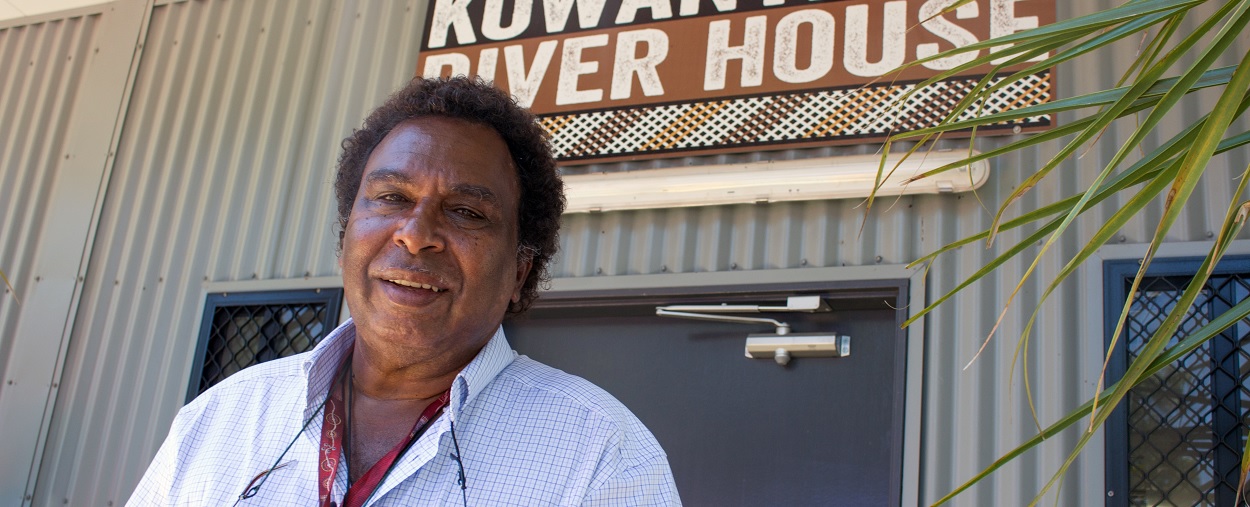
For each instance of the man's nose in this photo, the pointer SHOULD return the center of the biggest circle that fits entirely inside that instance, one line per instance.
(421, 229)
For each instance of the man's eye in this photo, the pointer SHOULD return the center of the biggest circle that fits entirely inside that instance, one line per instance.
(468, 213)
(390, 197)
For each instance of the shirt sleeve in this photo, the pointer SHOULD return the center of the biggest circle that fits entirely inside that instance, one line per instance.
(649, 483)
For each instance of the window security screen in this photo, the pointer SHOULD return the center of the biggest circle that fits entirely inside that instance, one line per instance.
(1178, 440)
(242, 329)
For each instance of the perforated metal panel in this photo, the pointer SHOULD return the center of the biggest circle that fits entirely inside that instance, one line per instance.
(774, 121)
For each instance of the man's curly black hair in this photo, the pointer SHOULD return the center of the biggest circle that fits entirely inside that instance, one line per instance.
(471, 99)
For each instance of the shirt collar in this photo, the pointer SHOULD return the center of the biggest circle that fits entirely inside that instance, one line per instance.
(324, 360)
(323, 363)
(492, 359)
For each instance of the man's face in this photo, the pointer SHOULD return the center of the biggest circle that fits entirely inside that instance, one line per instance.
(430, 248)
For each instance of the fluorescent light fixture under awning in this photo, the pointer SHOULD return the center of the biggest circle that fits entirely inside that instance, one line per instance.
(789, 180)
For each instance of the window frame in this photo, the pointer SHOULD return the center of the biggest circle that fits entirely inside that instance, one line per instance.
(332, 297)
(1115, 273)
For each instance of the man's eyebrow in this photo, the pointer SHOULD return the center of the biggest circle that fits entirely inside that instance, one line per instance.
(478, 191)
(386, 174)
(391, 175)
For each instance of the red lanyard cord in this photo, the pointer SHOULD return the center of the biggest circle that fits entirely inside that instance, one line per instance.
(253, 487)
(332, 449)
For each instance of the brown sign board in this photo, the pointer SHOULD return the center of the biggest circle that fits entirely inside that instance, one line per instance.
(631, 79)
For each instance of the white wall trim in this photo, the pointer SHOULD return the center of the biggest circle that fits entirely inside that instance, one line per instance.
(308, 282)
(313, 282)
(44, 17)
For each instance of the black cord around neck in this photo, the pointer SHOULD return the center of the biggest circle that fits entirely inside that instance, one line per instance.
(253, 489)
(464, 487)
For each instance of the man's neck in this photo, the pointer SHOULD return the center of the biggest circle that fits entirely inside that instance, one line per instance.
(377, 426)
(386, 399)
(385, 376)
(390, 364)
(389, 383)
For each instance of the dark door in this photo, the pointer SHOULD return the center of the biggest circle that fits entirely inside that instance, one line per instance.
(738, 431)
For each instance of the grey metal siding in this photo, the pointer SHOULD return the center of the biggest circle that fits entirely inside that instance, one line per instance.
(52, 168)
(974, 415)
(44, 66)
(224, 174)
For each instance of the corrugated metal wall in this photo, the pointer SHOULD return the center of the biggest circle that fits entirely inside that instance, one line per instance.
(60, 101)
(224, 172)
(43, 67)
(971, 416)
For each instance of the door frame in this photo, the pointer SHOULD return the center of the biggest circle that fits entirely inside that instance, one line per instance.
(908, 282)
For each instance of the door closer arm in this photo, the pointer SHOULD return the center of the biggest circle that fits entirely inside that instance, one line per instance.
(781, 345)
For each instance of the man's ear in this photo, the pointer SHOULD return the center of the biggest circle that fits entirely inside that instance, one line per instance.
(339, 251)
(524, 263)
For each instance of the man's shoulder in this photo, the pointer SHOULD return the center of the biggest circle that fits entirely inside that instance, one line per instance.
(561, 385)
(281, 373)
(564, 398)
(549, 401)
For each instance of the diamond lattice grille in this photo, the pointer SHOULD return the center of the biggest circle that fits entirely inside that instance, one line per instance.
(251, 332)
(1187, 424)
(785, 118)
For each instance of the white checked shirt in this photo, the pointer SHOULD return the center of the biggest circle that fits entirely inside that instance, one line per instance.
(528, 434)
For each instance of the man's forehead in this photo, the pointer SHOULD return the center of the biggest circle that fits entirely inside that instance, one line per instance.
(461, 156)
(413, 136)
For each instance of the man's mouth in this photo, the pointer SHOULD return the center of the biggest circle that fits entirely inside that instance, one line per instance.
(415, 285)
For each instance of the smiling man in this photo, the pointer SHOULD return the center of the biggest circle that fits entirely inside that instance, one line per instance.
(449, 203)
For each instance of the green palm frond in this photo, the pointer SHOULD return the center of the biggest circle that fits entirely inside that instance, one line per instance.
(1171, 64)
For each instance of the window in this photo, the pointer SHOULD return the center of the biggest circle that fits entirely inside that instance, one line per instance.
(1178, 437)
(243, 329)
